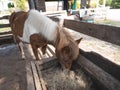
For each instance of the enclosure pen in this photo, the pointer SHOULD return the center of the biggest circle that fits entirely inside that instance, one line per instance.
(108, 77)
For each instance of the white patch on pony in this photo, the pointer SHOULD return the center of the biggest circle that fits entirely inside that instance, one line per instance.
(22, 51)
(39, 23)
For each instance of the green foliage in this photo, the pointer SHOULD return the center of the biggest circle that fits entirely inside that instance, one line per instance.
(115, 4)
(10, 5)
(100, 2)
(108, 2)
(20, 4)
(93, 5)
(111, 3)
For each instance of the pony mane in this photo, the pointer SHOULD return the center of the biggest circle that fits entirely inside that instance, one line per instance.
(68, 35)
(65, 39)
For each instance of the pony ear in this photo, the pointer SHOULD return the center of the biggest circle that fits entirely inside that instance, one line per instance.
(78, 41)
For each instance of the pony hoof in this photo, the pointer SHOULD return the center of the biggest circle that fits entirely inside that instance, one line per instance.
(23, 58)
(37, 59)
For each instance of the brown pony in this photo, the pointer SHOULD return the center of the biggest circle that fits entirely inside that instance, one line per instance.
(38, 30)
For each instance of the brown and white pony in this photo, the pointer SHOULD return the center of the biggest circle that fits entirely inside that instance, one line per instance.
(37, 29)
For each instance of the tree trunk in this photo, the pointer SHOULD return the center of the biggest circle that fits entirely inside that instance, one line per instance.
(83, 4)
(104, 3)
(31, 4)
(40, 5)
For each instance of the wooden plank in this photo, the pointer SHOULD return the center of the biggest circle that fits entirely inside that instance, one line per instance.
(40, 77)
(102, 62)
(105, 78)
(6, 32)
(28, 52)
(51, 49)
(6, 39)
(49, 53)
(40, 5)
(30, 82)
(5, 17)
(47, 62)
(41, 54)
(5, 35)
(36, 78)
(107, 33)
(4, 25)
(56, 13)
(31, 4)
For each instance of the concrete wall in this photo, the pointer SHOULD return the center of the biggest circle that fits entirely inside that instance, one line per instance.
(113, 14)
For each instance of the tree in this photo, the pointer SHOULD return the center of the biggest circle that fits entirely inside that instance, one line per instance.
(102, 2)
(10, 5)
(88, 3)
(115, 4)
(108, 2)
(20, 4)
(83, 4)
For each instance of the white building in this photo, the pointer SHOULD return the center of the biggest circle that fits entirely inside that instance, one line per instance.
(4, 4)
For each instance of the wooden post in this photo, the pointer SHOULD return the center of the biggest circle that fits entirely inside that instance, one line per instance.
(83, 4)
(40, 5)
(31, 4)
(65, 6)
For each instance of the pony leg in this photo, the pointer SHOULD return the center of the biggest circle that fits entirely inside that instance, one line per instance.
(14, 39)
(35, 51)
(34, 45)
(20, 45)
(43, 49)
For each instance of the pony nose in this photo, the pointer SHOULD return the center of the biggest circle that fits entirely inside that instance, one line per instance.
(68, 66)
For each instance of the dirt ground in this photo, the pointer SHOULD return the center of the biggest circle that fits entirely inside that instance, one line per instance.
(12, 69)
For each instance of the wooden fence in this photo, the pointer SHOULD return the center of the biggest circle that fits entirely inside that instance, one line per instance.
(5, 37)
(99, 67)
(103, 70)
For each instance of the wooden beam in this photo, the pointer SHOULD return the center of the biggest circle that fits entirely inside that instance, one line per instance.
(106, 79)
(83, 4)
(5, 33)
(30, 81)
(102, 62)
(5, 39)
(31, 4)
(47, 62)
(40, 77)
(4, 25)
(40, 5)
(107, 33)
(5, 17)
(36, 77)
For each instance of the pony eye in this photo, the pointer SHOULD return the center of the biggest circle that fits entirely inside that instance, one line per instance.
(66, 49)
